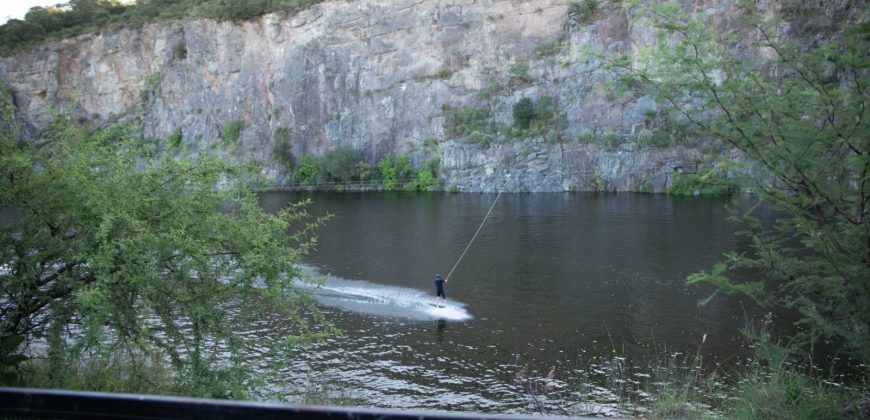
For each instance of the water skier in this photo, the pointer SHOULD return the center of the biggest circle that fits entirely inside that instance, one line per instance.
(439, 290)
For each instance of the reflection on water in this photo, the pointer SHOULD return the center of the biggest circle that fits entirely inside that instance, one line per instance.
(552, 279)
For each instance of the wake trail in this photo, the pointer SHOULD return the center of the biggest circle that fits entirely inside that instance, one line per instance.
(378, 299)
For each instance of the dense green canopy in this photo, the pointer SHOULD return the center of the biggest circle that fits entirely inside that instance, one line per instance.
(156, 260)
(80, 16)
(800, 112)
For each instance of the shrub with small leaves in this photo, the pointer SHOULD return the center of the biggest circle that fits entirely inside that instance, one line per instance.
(231, 132)
(395, 170)
(611, 141)
(175, 139)
(364, 171)
(645, 136)
(465, 121)
(180, 50)
(523, 112)
(586, 136)
(339, 163)
(308, 171)
(583, 9)
(444, 73)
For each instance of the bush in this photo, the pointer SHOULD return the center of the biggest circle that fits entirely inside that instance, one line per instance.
(553, 137)
(180, 51)
(426, 178)
(139, 247)
(711, 181)
(586, 136)
(658, 138)
(520, 72)
(645, 136)
(464, 122)
(339, 163)
(175, 139)
(308, 171)
(523, 112)
(479, 138)
(538, 119)
(583, 9)
(395, 171)
(237, 10)
(231, 132)
(612, 141)
(364, 171)
(81, 16)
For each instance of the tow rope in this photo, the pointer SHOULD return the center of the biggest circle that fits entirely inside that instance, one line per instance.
(473, 237)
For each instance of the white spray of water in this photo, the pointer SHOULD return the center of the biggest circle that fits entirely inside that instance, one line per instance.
(372, 298)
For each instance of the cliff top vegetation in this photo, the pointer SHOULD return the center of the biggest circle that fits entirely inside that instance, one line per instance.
(82, 16)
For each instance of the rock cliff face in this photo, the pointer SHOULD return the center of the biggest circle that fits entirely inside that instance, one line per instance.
(380, 76)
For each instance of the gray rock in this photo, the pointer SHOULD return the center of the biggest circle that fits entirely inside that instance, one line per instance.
(373, 74)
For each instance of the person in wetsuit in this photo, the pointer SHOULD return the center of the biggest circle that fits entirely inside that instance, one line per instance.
(439, 289)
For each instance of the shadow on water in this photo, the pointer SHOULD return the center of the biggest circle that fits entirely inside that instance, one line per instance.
(441, 329)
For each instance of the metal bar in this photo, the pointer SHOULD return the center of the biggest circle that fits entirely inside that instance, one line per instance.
(45, 403)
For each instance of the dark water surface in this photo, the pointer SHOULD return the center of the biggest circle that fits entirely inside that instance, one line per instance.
(552, 280)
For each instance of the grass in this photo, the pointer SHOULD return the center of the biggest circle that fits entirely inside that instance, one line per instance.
(713, 181)
(669, 385)
(111, 372)
(784, 394)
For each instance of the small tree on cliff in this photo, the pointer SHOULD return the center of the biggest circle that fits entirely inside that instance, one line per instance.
(523, 113)
(802, 114)
(109, 253)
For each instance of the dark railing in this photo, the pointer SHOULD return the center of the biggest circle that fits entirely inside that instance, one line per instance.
(43, 403)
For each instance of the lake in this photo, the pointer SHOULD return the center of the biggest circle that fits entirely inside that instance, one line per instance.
(552, 285)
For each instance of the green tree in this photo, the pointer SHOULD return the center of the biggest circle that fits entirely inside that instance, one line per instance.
(80, 16)
(146, 258)
(389, 175)
(47, 18)
(18, 31)
(806, 124)
(395, 170)
(308, 170)
(364, 171)
(339, 163)
(427, 176)
(83, 12)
